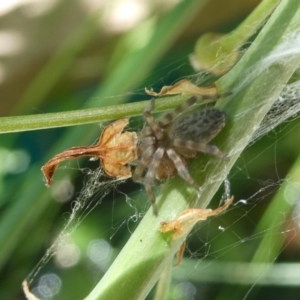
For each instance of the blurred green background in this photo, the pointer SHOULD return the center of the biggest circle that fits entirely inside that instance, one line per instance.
(65, 55)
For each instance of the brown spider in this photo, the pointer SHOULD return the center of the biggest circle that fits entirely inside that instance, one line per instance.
(166, 144)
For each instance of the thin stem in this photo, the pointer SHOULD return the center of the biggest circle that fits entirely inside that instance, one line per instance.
(164, 282)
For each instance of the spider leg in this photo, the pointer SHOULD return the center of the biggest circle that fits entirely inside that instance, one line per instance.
(142, 164)
(154, 127)
(156, 160)
(181, 168)
(151, 198)
(169, 117)
(200, 147)
(150, 175)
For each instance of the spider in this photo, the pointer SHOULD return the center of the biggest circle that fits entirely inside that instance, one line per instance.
(166, 144)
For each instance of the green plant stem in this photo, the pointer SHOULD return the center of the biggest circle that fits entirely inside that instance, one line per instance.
(85, 116)
(140, 263)
(239, 273)
(163, 285)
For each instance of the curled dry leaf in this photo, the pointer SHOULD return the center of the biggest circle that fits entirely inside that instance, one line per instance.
(186, 221)
(188, 218)
(183, 87)
(115, 150)
(27, 292)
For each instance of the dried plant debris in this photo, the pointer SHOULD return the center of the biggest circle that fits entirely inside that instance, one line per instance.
(189, 217)
(186, 221)
(183, 87)
(115, 149)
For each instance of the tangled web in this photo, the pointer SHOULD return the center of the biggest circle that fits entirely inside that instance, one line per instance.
(286, 107)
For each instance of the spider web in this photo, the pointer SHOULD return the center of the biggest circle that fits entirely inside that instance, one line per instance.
(204, 262)
(64, 250)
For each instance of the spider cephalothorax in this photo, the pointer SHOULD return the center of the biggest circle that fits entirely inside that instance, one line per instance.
(166, 144)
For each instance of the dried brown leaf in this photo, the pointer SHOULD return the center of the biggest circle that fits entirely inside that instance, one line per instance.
(115, 150)
(183, 87)
(188, 218)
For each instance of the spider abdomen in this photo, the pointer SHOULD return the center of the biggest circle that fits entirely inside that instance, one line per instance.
(199, 126)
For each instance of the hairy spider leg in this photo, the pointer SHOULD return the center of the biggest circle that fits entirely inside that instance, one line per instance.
(146, 157)
(155, 129)
(151, 196)
(200, 147)
(142, 165)
(169, 117)
(150, 175)
(181, 168)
